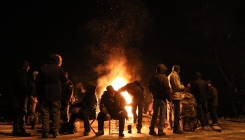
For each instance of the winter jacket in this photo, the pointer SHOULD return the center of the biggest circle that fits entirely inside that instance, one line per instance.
(89, 101)
(215, 102)
(159, 85)
(176, 87)
(49, 80)
(199, 89)
(107, 105)
(20, 84)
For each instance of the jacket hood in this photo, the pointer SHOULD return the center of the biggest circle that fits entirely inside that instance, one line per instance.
(24, 64)
(55, 59)
(161, 68)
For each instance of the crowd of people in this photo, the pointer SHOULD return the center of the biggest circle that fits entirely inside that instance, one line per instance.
(50, 92)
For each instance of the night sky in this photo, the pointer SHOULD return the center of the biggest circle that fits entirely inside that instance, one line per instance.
(86, 33)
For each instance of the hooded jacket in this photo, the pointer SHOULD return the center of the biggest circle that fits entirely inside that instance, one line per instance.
(159, 85)
(199, 88)
(175, 84)
(50, 78)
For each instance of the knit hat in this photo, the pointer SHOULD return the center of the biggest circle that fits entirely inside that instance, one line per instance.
(176, 68)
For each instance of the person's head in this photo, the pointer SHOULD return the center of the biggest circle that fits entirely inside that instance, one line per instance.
(34, 75)
(55, 59)
(189, 84)
(176, 68)
(110, 90)
(91, 88)
(25, 65)
(161, 68)
(209, 83)
(137, 82)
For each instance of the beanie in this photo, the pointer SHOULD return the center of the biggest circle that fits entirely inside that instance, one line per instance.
(176, 68)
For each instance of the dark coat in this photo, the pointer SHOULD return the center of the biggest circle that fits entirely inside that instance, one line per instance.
(199, 88)
(20, 91)
(106, 105)
(49, 81)
(213, 90)
(89, 101)
(159, 85)
(20, 83)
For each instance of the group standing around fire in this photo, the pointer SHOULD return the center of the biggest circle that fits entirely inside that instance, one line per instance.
(51, 93)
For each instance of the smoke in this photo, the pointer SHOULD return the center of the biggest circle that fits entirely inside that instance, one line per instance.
(117, 34)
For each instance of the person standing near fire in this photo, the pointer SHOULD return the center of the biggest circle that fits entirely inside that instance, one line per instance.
(159, 87)
(112, 106)
(199, 88)
(20, 99)
(176, 91)
(66, 99)
(136, 90)
(32, 101)
(49, 80)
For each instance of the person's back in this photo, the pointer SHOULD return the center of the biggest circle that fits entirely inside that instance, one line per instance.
(20, 98)
(49, 81)
(50, 78)
(158, 86)
(199, 88)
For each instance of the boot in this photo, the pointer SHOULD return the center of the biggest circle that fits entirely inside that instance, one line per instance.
(16, 132)
(71, 130)
(152, 132)
(23, 133)
(121, 134)
(44, 135)
(138, 127)
(161, 133)
(55, 135)
(33, 125)
(99, 133)
(86, 133)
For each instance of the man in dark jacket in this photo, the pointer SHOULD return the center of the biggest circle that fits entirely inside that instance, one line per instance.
(213, 102)
(199, 88)
(112, 106)
(32, 101)
(20, 98)
(49, 81)
(159, 87)
(67, 94)
(136, 90)
(87, 110)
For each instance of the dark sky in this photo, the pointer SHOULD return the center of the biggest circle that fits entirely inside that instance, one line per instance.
(32, 30)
